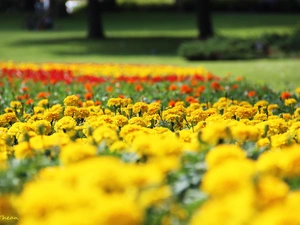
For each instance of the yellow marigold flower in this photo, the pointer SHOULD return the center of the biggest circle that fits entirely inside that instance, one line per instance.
(297, 90)
(74, 152)
(137, 121)
(129, 132)
(298, 136)
(71, 111)
(222, 153)
(144, 175)
(290, 101)
(9, 110)
(198, 115)
(153, 108)
(106, 133)
(15, 104)
(106, 119)
(7, 118)
(297, 112)
(234, 209)
(114, 102)
(215, 133)
(226, 178)
(19, 128)
(270, 163)
(270, 190)
(281, 214)
(42, 127)
(71, 100)
(140, 107)
(35, 118)
(120, 120)
(261, 103)
(179, 103)
(272, 107)
(38, 109)
(56, 108)
(23, 150)
(263, 142)
(157, 145)
(3, 151)
(118, 146)
(152, 197)
(279, 140)
(43, 103)
(260, 116)
(88, 103)
(283, 163)
(51, 115)
(24, 136)
(126, 101)
(65, 124)
(245, 112)
(290, 161)
(120, 208)
(165, 164)
(243, 133)
(82, 113)
(275, 126)
(161, 130)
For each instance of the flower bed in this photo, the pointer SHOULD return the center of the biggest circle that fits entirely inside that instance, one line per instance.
(132, 144)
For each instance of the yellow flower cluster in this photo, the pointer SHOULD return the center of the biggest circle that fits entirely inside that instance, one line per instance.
(105, 190)
(244, 191)
(100, 190)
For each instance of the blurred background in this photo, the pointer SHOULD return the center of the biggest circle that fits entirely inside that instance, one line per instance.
(259, 39)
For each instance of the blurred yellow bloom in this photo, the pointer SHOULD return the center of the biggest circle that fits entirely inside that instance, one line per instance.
(222, 153)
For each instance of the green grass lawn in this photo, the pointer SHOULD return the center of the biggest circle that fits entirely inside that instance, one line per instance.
(149, 38)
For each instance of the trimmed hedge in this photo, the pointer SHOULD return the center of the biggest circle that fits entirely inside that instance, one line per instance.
(224, 48)
(219, 48)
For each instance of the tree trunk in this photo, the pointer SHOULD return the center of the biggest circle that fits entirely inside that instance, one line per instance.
(95, 26)
(204, 21)
(52, 9)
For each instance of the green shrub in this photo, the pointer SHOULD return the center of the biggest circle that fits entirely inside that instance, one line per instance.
(221, 48)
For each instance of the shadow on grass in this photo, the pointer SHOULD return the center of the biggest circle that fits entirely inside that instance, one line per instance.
(123, 46)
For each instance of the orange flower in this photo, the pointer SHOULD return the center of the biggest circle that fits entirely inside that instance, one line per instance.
(285, 95)
(88, 87)
(201, 89)
(121, 96)
(172, 87)
(97, 102)
(138, 87)
(29, 101)
(185, 89)
(88, 96)
(251, 94)
(24, 89)
(215, 86)
(171, 103)
(239, 78)
(194, 82)
(234, 87)
(209, 77)
(109, 88)
(191, 99)
(43, 95)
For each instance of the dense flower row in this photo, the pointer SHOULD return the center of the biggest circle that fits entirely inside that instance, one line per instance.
(85, 180)
(99, 73)
(161, 145)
